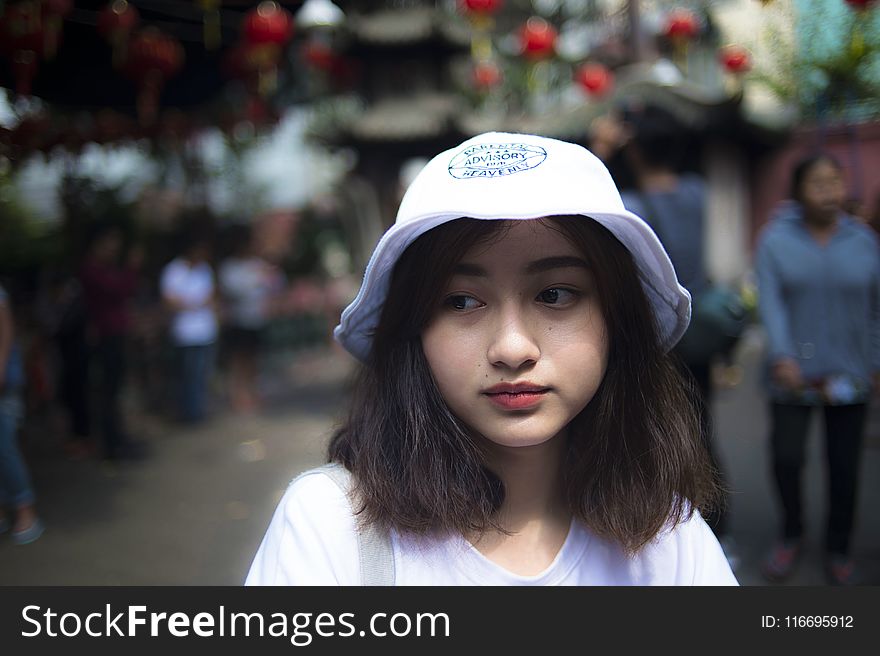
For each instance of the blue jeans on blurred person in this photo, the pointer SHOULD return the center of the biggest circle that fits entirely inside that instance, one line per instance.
(196, 364)
(15, 482)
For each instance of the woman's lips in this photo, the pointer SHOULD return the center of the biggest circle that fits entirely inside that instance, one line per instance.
(517, 400)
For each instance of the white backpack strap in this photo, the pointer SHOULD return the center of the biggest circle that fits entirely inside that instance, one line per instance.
(374, 544)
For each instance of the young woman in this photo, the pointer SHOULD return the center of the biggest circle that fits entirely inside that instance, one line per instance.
(819, 295)
(517, 420)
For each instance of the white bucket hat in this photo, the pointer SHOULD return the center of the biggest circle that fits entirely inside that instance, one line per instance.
(501, 175)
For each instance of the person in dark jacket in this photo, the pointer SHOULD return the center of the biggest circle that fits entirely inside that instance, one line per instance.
(109, 285)
(819, 299)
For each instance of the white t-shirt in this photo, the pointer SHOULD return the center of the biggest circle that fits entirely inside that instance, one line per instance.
(247, 284)
(193, 286)
(312, 540)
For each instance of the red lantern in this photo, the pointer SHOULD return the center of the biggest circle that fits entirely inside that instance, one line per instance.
(21, 37)
(681, 25)
(22, 27)
(594, 78)
(24, 68)
(735, 59)
(254, 63)
(480, 7)
(116, 22)
(153, 57)
(486, 75)
(54, 12)
(537, 38)
(319, 55)
(860, 5)
(268, 23)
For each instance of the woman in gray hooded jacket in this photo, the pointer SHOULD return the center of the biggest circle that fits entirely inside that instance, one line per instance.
(819, 298)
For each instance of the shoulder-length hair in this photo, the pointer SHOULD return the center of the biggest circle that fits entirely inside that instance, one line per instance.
(635, 462)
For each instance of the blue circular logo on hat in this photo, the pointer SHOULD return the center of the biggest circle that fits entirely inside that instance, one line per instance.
(495, 160)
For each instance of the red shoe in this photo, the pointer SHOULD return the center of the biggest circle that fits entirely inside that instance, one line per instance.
(780, 563)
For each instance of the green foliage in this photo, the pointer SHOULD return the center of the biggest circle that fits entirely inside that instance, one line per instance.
(838, 60)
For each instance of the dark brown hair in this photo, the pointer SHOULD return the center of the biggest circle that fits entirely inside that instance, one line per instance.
(635, 461)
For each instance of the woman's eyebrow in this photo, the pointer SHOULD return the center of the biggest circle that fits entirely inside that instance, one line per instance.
(558, 262)
(537, 266)
(465, 269)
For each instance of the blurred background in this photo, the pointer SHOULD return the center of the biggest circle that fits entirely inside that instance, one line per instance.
(190, 190)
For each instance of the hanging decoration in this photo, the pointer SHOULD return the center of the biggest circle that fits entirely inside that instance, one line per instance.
(266, 30)
(116, 22)
(537, 39)
(486, 75)
(22, 40)
(681, 27)
(319, 20)
(53, 14)
(481, 16)
(537, 44)
(735, 59)
(211, 23)
(153, 57)
(319, 55)
(736, 62)
(595, 79)
(269, 23)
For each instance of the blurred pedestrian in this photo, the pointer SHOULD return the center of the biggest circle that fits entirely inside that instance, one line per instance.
(248, 284)
(189, 293)
(109, 283)
(63, 317)
(16, 491)
(654, 144)
(819, 298)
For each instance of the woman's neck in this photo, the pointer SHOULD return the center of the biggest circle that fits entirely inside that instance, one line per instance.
(531, 477)
(534, 509)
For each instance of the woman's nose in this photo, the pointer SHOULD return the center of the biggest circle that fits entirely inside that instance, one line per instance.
(513, 343)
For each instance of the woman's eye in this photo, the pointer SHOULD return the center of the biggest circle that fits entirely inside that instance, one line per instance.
(557, 296)
(461, 302)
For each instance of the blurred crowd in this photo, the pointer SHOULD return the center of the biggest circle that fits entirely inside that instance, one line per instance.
(180, 338)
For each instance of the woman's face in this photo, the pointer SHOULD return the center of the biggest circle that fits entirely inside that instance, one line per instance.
(822, 190)
(518, 346)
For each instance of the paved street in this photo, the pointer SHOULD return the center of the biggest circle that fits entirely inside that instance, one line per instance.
(194, 512)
